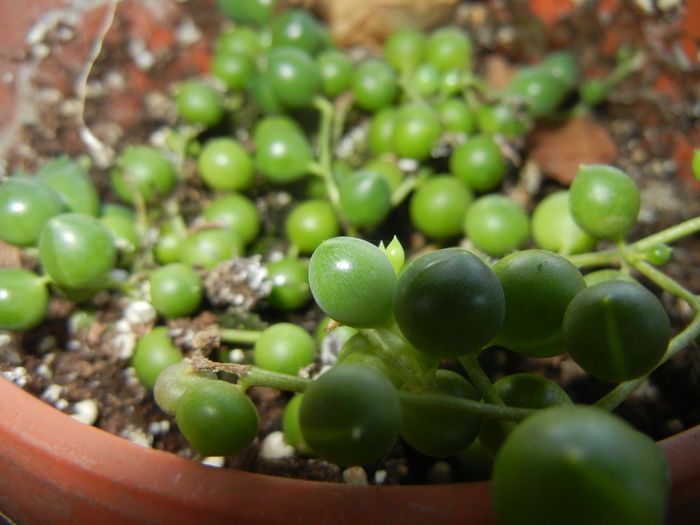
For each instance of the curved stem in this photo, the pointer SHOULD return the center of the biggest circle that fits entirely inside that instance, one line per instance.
(667, 283)
(232, 335)
(411, 376)
(252, 376)
(445, 401)
(669, 235)
(601, 258)
(325, 159)
(249, 375)
(403, 190)
(480, 380)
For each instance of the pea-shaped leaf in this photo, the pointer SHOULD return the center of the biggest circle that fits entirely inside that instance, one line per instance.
(604, 201)
(449, 303)
(352, 281)
(350, 415)
(579, 465)
(616, 330)
(441, 433)
(76, 250)
(538, 286)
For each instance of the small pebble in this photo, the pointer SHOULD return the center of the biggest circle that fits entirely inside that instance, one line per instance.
(355, 476)
(52, 393)
(137, 435)
(440, 472)
(140, 312)
(43, 371)
(379, 477)
(17, 375)
(214, 461)
(86, 411)
(187, 33)
(275, 447)
(158, 428)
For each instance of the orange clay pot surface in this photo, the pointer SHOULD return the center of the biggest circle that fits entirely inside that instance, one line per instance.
(55, 470)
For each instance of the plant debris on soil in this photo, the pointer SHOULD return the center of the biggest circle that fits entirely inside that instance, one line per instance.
(649, 128)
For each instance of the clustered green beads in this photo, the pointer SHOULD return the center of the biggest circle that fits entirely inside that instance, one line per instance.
(266, 137)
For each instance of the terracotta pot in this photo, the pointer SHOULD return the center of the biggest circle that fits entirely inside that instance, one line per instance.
(55, 470)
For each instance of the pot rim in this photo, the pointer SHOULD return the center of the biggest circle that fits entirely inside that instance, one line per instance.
(49, 460)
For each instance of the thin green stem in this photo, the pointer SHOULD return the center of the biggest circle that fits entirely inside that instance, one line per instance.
(478, 377)
(429, 400)
(325, 157)
(254, 376)
(251, 375)
(667, 283)
(232, 335)
(409, 372)
(614, 256)
(407, 185)
(669, 235)
(483, 384)
(589, 259)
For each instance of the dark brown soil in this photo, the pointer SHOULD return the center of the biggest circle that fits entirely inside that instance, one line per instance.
(651, 124)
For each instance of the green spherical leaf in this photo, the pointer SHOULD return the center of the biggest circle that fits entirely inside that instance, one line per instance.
(142, 170)
(479, 163)
(416, 130)
(562, 66)
(350, 415)
(282, 152)
(616, 330)
(524, 391)
(172, 382)
(73, 183)
(199, 103)
(284, 348)
(335, 68)
(225, 165)
(310, 223)
(258, 12)
(604, 201)
(217, 418)
(290, 284)
(538, 286)
(352, 281)
(154, 353)
(439, 206)
(456, 116)
(24, 299)
(496, 224)
(291, 425)
(293, 76)
(207, 248)
(542, 91)
(176, 290)
(448, 303)
(365, 198)
(236, 212)
(380, 136)
(577, 466)
(404, 48)
(441, 432)
(26, 204)
(374, 84)
(449, 48)
(235, 69)
(76, 250)
(554, 228)
(297, 28)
